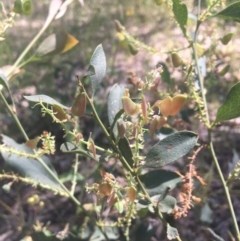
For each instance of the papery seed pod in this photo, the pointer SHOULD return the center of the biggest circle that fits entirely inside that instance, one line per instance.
(59, 113)
(165, 106)
(176, 60)
(113, 198)
(133, 50)
(79, 105)
(105, 189)
(153, 126)
(79, 136)
(131, 193)
(161, 121)
(135, 130)
(32, 144)
(102, 173)
(118, 26)
(226, 38)
(121, 126)
(155, 84)
(91, 147)
(140, 85)
(131, 109)
(144, 109)
(177, 103)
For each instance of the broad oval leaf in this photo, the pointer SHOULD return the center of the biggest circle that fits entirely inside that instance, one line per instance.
(28, 167)
(181, 14)
(114, 104)
(231, 12)
(55, 44)
(171, 148)
(166, 205)
(126, 151)
(158, 181)
(44, 99)
(231, 107)
(98, 61)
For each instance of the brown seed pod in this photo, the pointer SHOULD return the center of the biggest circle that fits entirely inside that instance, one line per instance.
(79, 105)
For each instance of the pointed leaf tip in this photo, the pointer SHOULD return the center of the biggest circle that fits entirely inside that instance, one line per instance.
(98, 61)
(231, 107)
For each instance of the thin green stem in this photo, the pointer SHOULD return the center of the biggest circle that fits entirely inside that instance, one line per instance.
(14, 116)
(38, 159)
(225, 187)
(122, 159)
(34, 40)
(201, 80)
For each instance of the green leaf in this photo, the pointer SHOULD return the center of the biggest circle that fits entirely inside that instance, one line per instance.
(170, 149)
(114, 104)
(181, 14)
(23, 7)
(44, 99)
(116, 118)
(158, 181)
(55, 44)
(166, 205)
(231, 12)
(68, 147)
(231, 107)
(172, 233)
(27, 166)
(98, 61)
(4, 83)
(126, 151)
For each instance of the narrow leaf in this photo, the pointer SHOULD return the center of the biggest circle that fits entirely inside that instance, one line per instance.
(114, 104)
(126, 151)
(27, 166)
(44, 99)
(54, 7)
(3, 81)
(231, 107)
(68, 147)
(98, 61)
(181, 14)
(231, 12)
(171, 148)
